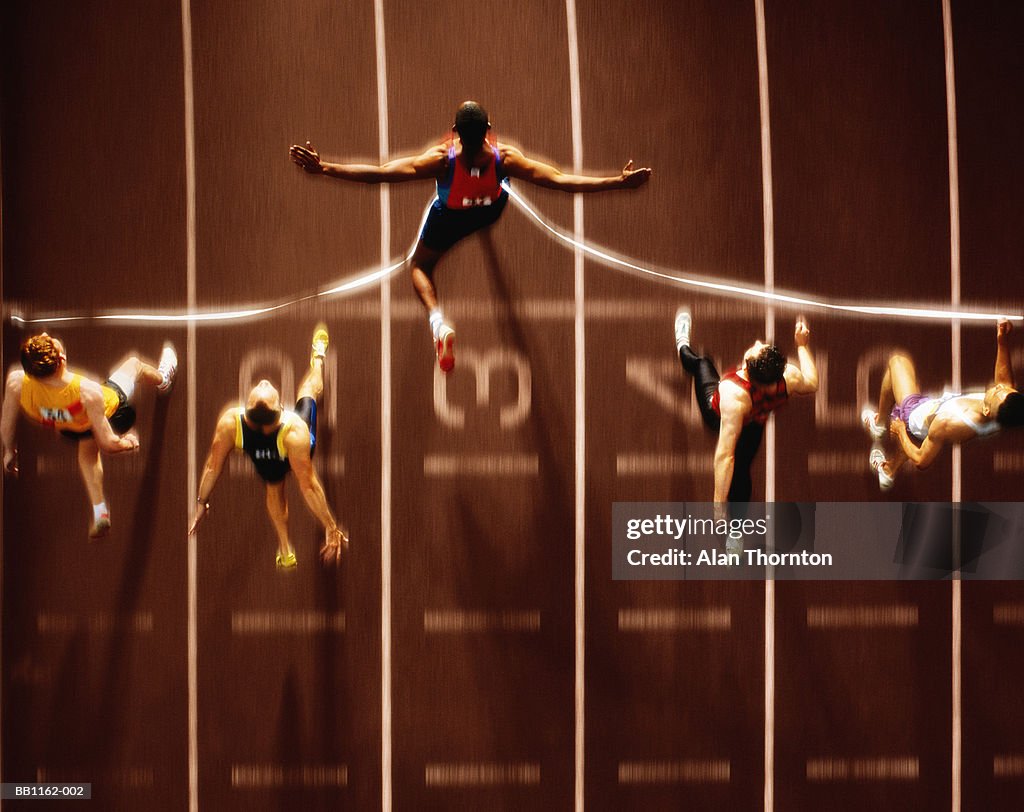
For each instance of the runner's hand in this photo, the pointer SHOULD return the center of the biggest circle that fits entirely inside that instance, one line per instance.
(1003, 328)
(802, 333)
(307, 157)
(632, 178)
(897, 426)
(334, 541)
(202, 508)
(11, 461)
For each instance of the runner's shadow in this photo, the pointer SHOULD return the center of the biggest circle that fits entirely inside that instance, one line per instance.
(71, 743)
(328, 599)
(509, 323)
(113, 709)
(332, 684)
(288, 739)
(549, 433)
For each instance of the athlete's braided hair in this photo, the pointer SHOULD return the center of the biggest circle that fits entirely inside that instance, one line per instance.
(767, 366)
(1011, 412)
(40, 356)
(471, 123)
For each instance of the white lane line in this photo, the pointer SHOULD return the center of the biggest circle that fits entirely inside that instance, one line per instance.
(685, 771)
(384, 149)
(460, 621)
(954, 193)
(282, 622)
(957, 686)
(579, 332)
(449, 465)
(769, 330)
(269, 776)
(898, 768)
(190, 420)
(895, 616)
(482, 774)
(671, 619)
(956, 760)
(769, 692)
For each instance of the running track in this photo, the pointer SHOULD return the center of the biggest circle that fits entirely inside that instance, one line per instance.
(473, 653)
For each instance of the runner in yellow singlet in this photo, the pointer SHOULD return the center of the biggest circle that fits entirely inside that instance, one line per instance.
(98, 416)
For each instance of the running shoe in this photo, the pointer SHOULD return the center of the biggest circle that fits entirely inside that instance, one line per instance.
(869, 418)
(286, 562)
(167, 367)
(446, 349)
(100, 527)
(876, 459)
(684, 321)
(321, 340)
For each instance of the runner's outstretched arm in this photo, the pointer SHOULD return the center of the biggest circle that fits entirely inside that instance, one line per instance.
(519, 166)
(802, 380)
(1004, 368)
(427, 166)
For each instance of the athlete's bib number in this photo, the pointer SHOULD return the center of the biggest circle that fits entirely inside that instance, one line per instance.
(51, 416)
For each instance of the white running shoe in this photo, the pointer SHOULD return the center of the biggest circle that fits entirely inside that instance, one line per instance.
(876, 459)
(684, 321)
(869, 417)
(100, 527)
(167, 367)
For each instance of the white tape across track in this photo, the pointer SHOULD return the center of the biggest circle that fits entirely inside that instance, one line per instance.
(358, 282)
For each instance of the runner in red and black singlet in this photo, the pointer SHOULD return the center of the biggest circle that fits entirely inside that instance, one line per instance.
(763, 399)
(737, 406)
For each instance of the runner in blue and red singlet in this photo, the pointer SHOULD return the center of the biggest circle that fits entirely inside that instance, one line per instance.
(469, 173)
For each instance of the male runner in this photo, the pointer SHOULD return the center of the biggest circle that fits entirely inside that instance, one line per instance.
(737, 406)
(922, 425)
(99, 417)
(469, 171)
(278, 441)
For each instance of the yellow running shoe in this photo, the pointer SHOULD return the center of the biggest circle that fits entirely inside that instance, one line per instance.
(321, 340)
(286, 562)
